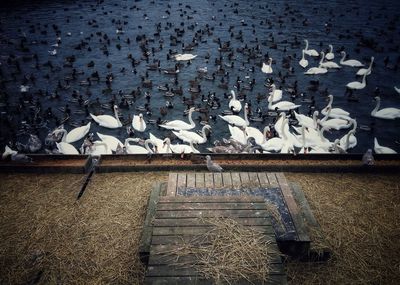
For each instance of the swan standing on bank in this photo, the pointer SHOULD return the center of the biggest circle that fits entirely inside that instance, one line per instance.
(382, 149)
(108, 121)
(350, 62)
(179, 124)
(235, 104)
(390, 113)
(138, 123)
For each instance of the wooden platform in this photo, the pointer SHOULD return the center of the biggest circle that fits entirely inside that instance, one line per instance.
(178, 219)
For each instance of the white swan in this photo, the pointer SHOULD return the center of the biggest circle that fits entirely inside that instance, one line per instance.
(307, 121)
(382, 149)
(99, 148)
(108, 121)
(255, 133)
(330, 55)
(77, 133)
(350, 62)
(334, 112)
(335, 123)
(184, 148)
(310, 52)
(348, 141)
(234, 104)
(8, 151)
(358, 85)
(138, 123)
(187, 136)
(397, 89)
(319, 69)
(185, 56)
(386, 113)
(179, 124)
(236, 120)
(327, 64)
(275, 93)
(281, 106)
(111, 141)
(279, 124)
(276, 143)
(267, 68)
(137, 149)
(238, 134)
(64, 147)
(368, 70)
(303, 62)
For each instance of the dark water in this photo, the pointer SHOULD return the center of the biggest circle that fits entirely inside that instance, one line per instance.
(340, 23)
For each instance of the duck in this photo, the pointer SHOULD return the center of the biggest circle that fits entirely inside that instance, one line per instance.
(77, 133)
(108, 121)
(303, 62)
(236, 120)
(350, 62)
(235, 104)
(334, 112)
(310, 52)
(330, 55)
(138, 123)
(267, 68)
(356, 85)
(276, 94)
(179, 124)
(390, 113)
(382, 149)
(111, 141)
(136, 149)
(187, 136)
(282, 105)
(368, 70)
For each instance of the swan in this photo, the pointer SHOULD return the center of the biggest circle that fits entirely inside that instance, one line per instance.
(64, 147)
(236, 120)
(138, 123)
(321, 144)
(307, 121)
(367, 71)
(282, 105)
(348, 141)
(111, 141)
(356, 84)
(327, 64)
(238, 134)
(161, 146)
(382, 149)
(397, 89)
(234, 104)
(279, 123)
(187, 136)
(184, 148)
(303, 62)
(287, 144)
(330, 55)
(335, 123)
(260, 137)
(108, 121)
(319, 69)
(179, 124)
(99, 148)
(136, 149)
(267, 68)
(8, 151)
(350, 62)
(77, 133)
(275, 93)
(185, 56)
(276, 143)
(310, 52)
(386, 113)
(334, 112)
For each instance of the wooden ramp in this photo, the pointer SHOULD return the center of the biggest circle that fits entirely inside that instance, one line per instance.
(179, 219)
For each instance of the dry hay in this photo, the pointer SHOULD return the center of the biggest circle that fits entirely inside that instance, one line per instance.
(360, 220)
(46, 234)
(229, 252)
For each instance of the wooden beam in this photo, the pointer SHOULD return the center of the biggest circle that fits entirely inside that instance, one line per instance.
(272, 179)
(172, 181)
(191, 180)
(218, 180)
(209, 180)
(264, 182)
(199, 180)
(236, 180)
(227, 179)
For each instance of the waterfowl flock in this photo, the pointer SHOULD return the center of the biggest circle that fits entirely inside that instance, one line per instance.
(129, 77)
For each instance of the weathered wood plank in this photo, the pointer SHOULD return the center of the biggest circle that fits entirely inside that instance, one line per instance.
(209, 206)
(190, 280)
(293, 208)
(244, 178)
(199, 180)
(209, 180)
(191, 180)
(253, 177)
(172, 181)
(249, 213)
(218, 180)
(211, 199)
(197, 222)
(227, 179)
(264, 182)
(169, 231)
(272, 179)
(236, 180)
(303, 205)
(181, 180)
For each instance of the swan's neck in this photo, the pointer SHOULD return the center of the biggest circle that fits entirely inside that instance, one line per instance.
(302, 55)
(354, 125)
(64, 137)
(303, 136)
(306, 48)
(322, 58)
(284, 136)
(348, 138)
(203, 133)
(328, 112)
(315, 119)
(233, 95)
(245, 117)
(343, 57)
(330, 48)
(146, 145)
(321, 134)
(378, 104)
(266, 128)
(192, 124)
(117, 117)
(364, 79)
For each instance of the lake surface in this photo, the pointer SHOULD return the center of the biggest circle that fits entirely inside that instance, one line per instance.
(87, 32)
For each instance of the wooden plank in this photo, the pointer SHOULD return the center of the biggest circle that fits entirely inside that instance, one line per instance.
(253, 177)
(236, 180)
(209, 180)
(264, 182)
(248, 213)
(218, 180)
(293, 208)
(244, 178)
(208, 206)
(211, 199)
(197, 222)
(272, 179)
(227, 180)
(190, 280)
(181, 181)
(191, 180)
(303, 205)
(172, 181)
(199, 180)
(164, 240)
(169, 231)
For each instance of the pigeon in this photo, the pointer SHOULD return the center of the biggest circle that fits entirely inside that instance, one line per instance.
(212, 166)
(368, 158)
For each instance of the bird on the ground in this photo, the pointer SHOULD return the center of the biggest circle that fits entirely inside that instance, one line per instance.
(368, 158)
(213, 166)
